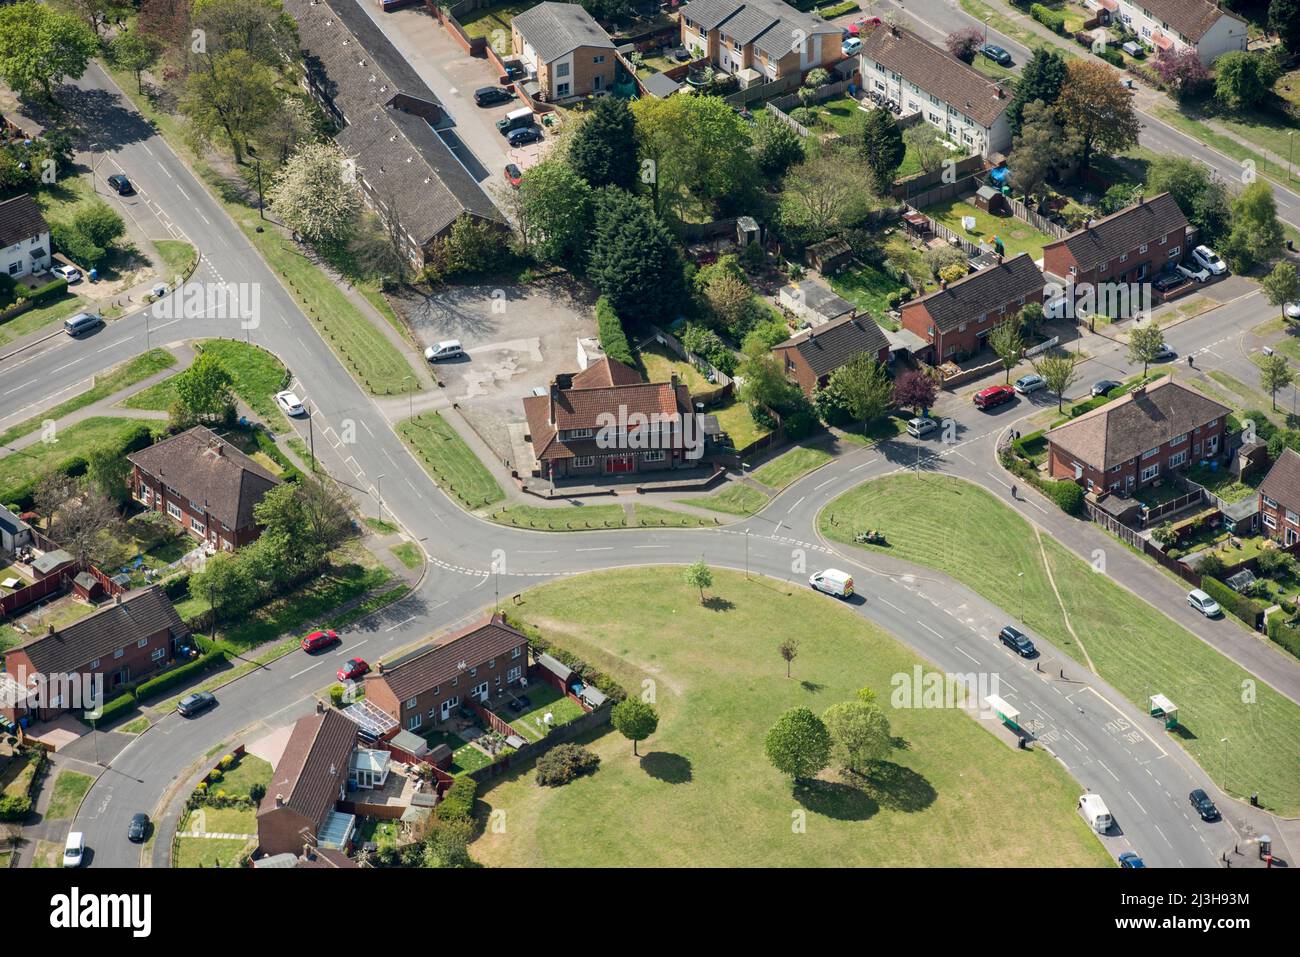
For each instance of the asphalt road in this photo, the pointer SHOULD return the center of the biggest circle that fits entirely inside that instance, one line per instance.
(1093, 731)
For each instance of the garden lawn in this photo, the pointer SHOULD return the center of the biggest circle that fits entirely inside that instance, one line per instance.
(660, 364)
(209, 851)
(962, 530)
(17, 468)
(249, 770)
(1017, 236)
(28, 322)
(734, 499)
(789, 466)
(842, 114)
(449, 461)
(869, 289)
(484, 22)
(736, 420)
(122, 377)
(702, 793)
(464, 756)
(1223, 483)
(542, 698)
(69, 788)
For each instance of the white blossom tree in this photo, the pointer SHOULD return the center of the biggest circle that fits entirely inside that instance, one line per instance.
(314, 195)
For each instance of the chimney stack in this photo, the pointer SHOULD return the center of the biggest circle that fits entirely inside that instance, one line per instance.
(320, 706)
(279, 800)
(380, 667)
(49, 629)
(554, 394)
(1141, 199)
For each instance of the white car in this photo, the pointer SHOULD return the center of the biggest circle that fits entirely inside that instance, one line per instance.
(921, 426)
(447, 349)
(1207, 258)
(851, 47)
(1292, 310)
(1030, 383)
(1194, 272)
(1203, 603)
(73, 849)
(70, 273)
(290, 403)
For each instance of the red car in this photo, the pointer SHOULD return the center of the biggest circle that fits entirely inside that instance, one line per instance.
(513, 176)
(994, 395)
(319, 639)
(353, 669)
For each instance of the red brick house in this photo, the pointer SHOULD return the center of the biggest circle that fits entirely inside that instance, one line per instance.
(1135, 440)
(203, 484)
(1279, 499)
(606, 421)
(428, 685)
(1133, 245)
(956, 320)
(309, 780)
(139, 632)
(810, 357)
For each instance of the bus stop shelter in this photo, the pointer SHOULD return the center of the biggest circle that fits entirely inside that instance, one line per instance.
(1162, 707)
(1006, 714)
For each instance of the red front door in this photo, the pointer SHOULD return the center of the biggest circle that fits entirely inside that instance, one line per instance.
(618, 463)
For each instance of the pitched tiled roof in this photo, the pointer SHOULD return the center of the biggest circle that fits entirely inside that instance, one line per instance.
(606, 372)
(1143, 222)
(1140, 421)
(982, 292)
(313, 767)
(1191, 18)
(439, 663)
(554, 29)
(20, 219)
(1282, 483)
(935, 71)
(116, 625)
(769, 24)
(581, 408)
(825, 348)
(208, 471)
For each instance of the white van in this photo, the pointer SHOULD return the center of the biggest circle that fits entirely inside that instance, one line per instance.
(1095, 812)
(73, 849)
(833, 582)
(515, 120)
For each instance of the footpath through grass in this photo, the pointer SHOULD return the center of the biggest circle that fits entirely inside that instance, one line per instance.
(702, 793)
(962, 530)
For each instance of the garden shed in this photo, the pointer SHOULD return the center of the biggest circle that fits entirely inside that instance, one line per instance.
(991, 200)
(829, 256)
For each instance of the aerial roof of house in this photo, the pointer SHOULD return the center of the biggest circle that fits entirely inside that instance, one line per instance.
(1191, 18)
(936, 71)
(606, 372)
(208, 471)
(818, 297)
(828, 347)
(554, 29)
(1138, 422)
(126, 620)
(398, 153)
(313, 766)
(982, 292)
(11, 523)
(20, 218)
(1126, 230)
(435, 664)
(1282, 483)
(768, 24)
(48, 561)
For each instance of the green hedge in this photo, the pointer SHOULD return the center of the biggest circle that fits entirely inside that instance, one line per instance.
(610, 330)
(117, 708)
(1246, 609)
(1049, 18)
(170, 679)
(458, 803)
(177, 587)
(49, 291)
(1288, 636)
(1068, 496)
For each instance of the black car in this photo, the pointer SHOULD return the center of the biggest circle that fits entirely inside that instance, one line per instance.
(121, 184)
(995, 53)
(1169, 280)
(1104, 387)
(1204, 806)
(138, 829)
(193, 704)
(1016, 641)
(525, 134)
(492, 95)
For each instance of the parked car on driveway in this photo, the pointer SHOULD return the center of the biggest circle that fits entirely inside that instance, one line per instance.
(492, 95)
(1203, 603)
(1207, 258)
(447, 349)
(1204, 805)
(1017, 641)
(319, 640)
(1030, 383)
(851, 47)
(1104, 387)
(290, 403)
(995, 53)
(524, 135)
(354, 669)
(1292, 310)
(121, 185)
(70, 273)
(921, 426)
(993, 396)
(195, 703)
(1200, 274)
(1168, 279)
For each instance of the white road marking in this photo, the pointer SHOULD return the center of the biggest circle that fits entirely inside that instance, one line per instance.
(962, 651)
(795, 505)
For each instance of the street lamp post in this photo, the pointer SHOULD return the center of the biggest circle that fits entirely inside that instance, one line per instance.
(379, 489)
(410, 399)
(986, 27)
(1021, 576)
(1224, 742)
(1290, 147)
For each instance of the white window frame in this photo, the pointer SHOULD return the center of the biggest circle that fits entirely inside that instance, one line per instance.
(158, 654)
(584, 461)
(1150, 472)
(1177, 459)
(412, 703)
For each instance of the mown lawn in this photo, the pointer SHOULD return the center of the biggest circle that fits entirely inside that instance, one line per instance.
(449, 461)
(660, 364)
(964, 531)
(408, 554)
(257, 376)
(177, 257)
(18, 467)
(787, 467)
(561, 518)
(868, 288)
(33, 319)
(734, 499)
(702, 793)
(736, 420)
(488, 21)
(69, 788)
(651, 516)
(1017, 236)
(209, 851)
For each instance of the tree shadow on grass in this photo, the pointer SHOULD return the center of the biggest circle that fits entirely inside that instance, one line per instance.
(898, 788)
(718, 603)
(811, 686)
(668, 767)
(835, 799)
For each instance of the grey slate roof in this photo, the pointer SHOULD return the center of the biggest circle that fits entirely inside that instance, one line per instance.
(1191, 18)
(822, 299)
(1143, 222)
(554, 29)
(827, 348)
(769, 24)
(10, 522)
(660, 85)
(117, 625)
(1282, 484)
(1140, 421)
(51, 560)
(20, 219)
(428, 667)
(983, 292)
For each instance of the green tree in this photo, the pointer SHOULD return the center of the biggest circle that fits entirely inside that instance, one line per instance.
(1256, 236)
(1244, 79)
(260, 29)
(860, 734)
(1274, 373)
(634, 261)
(915, 390)
(882, 148)
(1041, 150)
(108, 471)
(777, 146)
(634, 719)
(698, 575)
(40, 48)
(1284, 20)
(798, 744)
(1006, 342)
(730, 298)
(556, 205)
(925, 143)
(205, 390)
(1096, 106)
(1059, 370)
(1281, 286)
(302, 521)
(135, 51)
(1040, 79)
(1202, 197)
(235, 97)
(312, 195)
(224, 584)
(864, 386)
(87, 239)
(1144, 344)
(763, 379)
(788, 650)
(603, 148)
(1030, 317)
